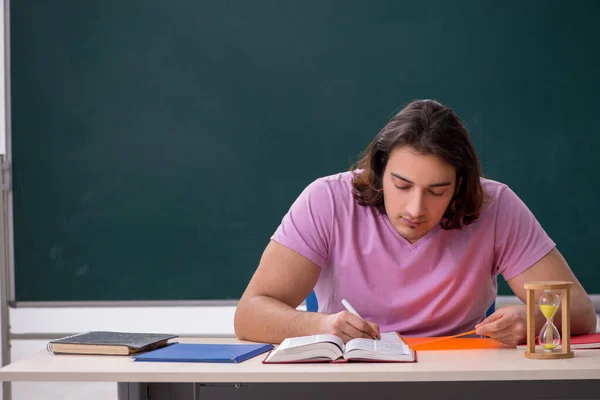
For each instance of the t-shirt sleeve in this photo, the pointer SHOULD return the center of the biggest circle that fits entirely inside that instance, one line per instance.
(520, 239)
(306, 228)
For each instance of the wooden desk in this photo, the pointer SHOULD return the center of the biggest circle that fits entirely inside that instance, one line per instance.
(490, 374)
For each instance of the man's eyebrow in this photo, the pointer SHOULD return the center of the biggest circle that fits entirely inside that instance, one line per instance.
(440, 184)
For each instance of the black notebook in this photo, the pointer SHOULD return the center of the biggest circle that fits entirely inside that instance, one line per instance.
(108, 343)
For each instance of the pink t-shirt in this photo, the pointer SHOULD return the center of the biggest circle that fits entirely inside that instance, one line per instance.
(442, 284)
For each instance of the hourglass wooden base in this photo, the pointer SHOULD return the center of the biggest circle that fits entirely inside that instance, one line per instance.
(551, 356)
(564, 289)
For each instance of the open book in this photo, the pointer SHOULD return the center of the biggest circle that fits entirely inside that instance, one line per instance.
(331, 348)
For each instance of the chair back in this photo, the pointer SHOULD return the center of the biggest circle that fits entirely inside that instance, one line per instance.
(311, 302)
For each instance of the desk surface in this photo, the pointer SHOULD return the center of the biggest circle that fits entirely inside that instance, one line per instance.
(452, 365)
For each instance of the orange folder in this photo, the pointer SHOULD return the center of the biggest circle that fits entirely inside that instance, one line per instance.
(453, 343)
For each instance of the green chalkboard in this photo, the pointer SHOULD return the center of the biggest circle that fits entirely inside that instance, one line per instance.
(157, 145)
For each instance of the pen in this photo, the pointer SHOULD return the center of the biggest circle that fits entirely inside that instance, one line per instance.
(352, 310)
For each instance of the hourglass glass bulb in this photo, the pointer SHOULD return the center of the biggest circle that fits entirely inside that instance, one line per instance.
(549, 302)
(549, 337)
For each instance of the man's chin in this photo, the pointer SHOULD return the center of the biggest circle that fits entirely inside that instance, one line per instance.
(412, 235)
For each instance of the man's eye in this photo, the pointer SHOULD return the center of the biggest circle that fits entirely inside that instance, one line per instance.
(435, 194)
(402, 187)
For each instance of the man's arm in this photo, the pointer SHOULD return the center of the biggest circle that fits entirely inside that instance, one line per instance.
(267, 310)
(509, 324)
(553, 267)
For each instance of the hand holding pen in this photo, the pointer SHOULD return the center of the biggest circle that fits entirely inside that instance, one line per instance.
(350, 325)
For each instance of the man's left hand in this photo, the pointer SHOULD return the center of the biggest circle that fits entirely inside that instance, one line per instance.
(507, 325)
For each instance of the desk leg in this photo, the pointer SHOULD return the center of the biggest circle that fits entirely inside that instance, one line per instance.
(6, 391)
(156, 391)
(132, 391)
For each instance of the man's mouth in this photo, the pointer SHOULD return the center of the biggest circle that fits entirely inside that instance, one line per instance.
(412, 222)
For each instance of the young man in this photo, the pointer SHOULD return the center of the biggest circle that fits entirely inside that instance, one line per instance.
(413, 238)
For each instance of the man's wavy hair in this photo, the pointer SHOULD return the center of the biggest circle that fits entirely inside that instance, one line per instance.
(429, 128)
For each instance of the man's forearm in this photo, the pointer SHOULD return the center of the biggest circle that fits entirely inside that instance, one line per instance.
(583, 318)
(264, 319)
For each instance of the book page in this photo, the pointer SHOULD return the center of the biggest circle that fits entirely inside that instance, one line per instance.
(391, 337)
(377, 346)
(309, 340)
(313, 348)
(373, 345)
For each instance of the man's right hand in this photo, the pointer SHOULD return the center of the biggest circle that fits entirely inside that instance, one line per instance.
(349, 326)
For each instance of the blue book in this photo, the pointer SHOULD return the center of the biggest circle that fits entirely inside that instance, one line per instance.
(209, 353)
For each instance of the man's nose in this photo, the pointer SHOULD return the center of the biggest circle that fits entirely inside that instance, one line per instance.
(416, 206)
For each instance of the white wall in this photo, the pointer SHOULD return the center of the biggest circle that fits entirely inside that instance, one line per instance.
(203, 321)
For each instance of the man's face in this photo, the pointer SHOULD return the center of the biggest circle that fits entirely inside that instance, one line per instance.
(417, 189)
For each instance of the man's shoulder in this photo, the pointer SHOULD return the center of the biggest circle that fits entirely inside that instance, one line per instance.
(492, 190)
(328, 189)
(337, 185)
(498, 196)
(337, 190)
(341, 178)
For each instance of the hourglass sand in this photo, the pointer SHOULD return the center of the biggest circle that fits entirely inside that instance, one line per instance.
(548, 302)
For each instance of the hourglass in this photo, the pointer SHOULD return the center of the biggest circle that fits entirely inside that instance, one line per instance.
(549, 338)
